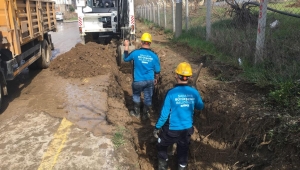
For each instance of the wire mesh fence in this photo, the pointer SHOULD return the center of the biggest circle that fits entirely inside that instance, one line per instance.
(253, 31)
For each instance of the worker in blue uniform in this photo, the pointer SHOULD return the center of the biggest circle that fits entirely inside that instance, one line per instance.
(175, 124)
(146, 70)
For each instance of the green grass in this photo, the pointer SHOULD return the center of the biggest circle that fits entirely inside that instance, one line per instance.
(73, 18)
(168, 31)
(118, 138)
(230, 41)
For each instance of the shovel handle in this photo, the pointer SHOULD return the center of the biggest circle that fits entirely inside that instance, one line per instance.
(197, 74)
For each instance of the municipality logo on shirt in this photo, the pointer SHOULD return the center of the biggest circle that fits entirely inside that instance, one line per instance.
(145, 59)
(184, 100)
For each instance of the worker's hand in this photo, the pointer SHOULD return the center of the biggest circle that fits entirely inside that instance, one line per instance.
(155, 133)
(126, 43)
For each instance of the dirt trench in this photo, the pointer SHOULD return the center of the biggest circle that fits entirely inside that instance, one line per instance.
(230, 133)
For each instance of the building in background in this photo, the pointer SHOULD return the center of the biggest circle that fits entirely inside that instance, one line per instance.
(64, 5)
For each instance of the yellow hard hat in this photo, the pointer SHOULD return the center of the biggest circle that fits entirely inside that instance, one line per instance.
(184, 69)
(146, 37)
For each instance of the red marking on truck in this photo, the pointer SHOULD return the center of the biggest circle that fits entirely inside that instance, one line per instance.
(132, 19)
(79, 21)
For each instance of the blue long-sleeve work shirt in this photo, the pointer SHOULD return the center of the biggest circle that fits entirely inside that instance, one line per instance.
(178, 107)
(146, 63)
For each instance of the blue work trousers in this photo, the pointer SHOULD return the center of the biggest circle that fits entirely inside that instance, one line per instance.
(143, 86)
(169, 137)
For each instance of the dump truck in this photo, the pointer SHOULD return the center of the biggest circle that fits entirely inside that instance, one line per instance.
(24, 37)
(103, 20)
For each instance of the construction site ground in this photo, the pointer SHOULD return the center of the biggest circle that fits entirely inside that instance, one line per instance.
(75, 115)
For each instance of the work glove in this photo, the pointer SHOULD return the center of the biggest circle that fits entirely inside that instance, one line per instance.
(155, 133)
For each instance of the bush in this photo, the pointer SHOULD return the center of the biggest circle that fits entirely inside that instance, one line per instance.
(71, 9)
(286, 95)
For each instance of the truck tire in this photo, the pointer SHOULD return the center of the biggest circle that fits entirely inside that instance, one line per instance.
(5, 55)
(52, 46)
(125, 67)
(119, 55)
(44, 61)
(87, 38)
(102, 41)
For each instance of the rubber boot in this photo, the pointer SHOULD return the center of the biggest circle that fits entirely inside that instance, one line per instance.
(146, 112)
(181, 168)
(162, 164)
(136, 110)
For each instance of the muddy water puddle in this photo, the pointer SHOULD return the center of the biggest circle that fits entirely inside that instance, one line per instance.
(66, 37)
(87, 104)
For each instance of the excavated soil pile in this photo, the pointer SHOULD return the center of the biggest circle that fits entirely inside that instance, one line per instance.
(87, 60)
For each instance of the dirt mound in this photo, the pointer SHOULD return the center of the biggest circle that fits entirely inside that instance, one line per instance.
(87, 60)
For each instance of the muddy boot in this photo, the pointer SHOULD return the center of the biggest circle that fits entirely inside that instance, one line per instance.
(162, 164)
(136, 110)
(180, 167)
(146, 112)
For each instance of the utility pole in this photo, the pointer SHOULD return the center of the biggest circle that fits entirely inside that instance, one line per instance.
(178, 29)
(261, 28)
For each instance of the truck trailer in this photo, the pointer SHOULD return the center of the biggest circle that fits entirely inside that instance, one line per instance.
(24, 37)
